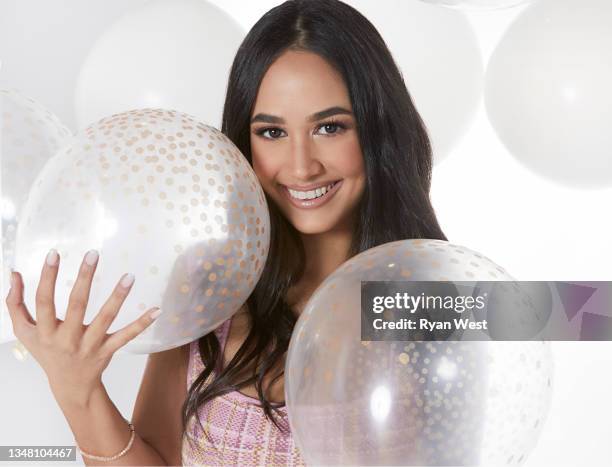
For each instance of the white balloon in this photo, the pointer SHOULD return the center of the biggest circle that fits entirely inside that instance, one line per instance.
(29, 135)
(439, 56)
(168, 53)
(162, 196)
(548, 92)
(476, 4)
(52, 39)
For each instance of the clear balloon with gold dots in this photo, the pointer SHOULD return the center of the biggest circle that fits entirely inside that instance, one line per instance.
(163, 196)
(411, 403)
(30, 135)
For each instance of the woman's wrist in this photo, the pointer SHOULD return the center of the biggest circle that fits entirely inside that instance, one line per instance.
(76, 398)
(115, 456)
(96, 424)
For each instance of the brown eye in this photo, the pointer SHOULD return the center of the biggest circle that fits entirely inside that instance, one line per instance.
(270, 133)
(330, 128)
(274, 132)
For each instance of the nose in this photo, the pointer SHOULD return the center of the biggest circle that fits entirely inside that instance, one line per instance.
(305, 163)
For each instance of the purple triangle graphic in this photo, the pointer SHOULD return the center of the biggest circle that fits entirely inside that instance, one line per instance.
(573, 297)
(595, 327)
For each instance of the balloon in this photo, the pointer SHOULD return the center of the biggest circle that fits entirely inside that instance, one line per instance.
(160, 195)
(548, 94)
(55, 40)
(410, 403)
(29, 135)
(168, 53)
(476, 4)
(439, 56)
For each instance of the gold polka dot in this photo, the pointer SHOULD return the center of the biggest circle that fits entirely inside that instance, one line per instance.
(403, 358)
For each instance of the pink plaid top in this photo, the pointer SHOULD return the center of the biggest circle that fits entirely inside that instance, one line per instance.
(241, 433)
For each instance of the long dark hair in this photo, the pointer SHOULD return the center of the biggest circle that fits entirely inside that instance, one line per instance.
(398, 165)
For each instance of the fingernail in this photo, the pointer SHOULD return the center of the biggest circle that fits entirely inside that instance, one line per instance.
(128, 279)
(91, 257)
(154, 314)
(12, 279)
(52, 257)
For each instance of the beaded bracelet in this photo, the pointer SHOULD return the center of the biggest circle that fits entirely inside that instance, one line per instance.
(116, 456)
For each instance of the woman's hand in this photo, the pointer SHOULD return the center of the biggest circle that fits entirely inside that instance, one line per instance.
(72, 354)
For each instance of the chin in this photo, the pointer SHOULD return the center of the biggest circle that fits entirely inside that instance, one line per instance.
(312, 228)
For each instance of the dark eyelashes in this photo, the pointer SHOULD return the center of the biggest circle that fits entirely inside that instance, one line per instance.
(338, 124)
(261, 131)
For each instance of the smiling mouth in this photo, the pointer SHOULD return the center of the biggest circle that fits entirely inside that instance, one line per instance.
(312, 198)
(311, 194)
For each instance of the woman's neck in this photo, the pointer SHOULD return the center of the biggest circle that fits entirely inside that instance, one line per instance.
(324, 253)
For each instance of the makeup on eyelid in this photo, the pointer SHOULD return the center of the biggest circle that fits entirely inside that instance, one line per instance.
(341, 127)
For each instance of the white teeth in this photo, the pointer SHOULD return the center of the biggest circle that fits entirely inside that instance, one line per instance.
(312, 194)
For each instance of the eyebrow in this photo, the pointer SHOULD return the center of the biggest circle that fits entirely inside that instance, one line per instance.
(336, 110)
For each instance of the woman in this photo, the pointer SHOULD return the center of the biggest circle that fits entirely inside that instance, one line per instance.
(317, 105)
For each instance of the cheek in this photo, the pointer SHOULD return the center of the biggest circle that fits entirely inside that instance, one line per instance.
(264, 167)
(350, 164)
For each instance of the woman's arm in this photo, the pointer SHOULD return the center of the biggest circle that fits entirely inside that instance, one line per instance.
(99, 428)
(156, 418)
(74, 356)
(157, 411)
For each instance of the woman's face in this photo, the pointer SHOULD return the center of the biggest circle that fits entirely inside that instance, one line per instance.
(303, 139)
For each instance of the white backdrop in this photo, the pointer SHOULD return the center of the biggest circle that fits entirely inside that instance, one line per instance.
(484, 199)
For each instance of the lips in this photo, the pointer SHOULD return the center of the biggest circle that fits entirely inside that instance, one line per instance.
(311, 187)
(313, 203)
